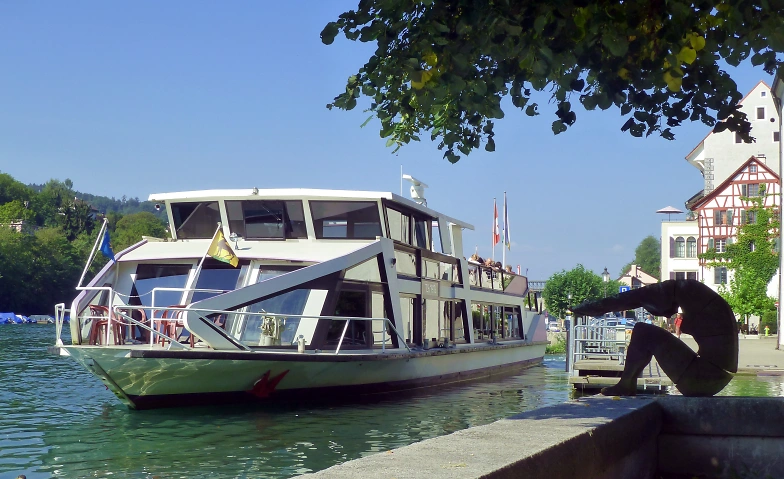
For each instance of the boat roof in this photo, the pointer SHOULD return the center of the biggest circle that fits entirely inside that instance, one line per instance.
(301, 193)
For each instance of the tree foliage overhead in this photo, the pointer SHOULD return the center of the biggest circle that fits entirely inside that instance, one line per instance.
(647, 256)
(580, 283)
(753, 259)
(444, 66)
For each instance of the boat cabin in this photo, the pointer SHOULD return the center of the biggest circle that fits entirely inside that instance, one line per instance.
(330, 269)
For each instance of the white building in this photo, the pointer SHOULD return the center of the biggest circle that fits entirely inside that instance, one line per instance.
(730, 169)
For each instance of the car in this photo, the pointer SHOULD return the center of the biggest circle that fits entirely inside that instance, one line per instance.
(553, 327)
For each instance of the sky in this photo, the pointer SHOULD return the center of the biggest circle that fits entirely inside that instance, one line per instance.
(133, 98)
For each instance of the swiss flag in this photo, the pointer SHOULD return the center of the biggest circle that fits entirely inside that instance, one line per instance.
(496, 230)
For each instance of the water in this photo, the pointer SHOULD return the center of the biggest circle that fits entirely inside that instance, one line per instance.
(57, 420)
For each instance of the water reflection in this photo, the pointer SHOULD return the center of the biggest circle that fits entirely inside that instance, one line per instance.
(59, 421)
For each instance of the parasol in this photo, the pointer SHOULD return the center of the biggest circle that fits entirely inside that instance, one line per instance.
(669, 210)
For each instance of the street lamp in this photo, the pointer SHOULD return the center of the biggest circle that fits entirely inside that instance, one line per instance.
(606, 278)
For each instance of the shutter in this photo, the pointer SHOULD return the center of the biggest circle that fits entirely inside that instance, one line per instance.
(729, 217)
(711, 243)
(762, 189)
(776, 244)
(716, 217)
(717, 276)
(730, 240)
(743, 217)
(672, 274)
(744, 190)
(672, 247)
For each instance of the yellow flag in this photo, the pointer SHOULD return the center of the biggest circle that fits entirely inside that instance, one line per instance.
(220, 250)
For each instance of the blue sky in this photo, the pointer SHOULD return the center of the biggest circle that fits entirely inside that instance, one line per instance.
(149, 97)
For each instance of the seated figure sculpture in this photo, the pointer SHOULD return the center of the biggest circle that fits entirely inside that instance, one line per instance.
(706, 317)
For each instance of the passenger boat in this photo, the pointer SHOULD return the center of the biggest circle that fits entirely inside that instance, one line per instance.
(327, 293)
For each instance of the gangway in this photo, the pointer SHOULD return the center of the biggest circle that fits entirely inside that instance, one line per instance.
(597, 353)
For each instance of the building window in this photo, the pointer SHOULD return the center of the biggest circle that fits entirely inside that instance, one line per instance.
(680, 275)
(763, 93)
(722, 217)
(720, 276)
(752, 168)
(752, 246)
(691, 248)
(721, 245)
(750, 190)
(680, 247)
(691, 275)
(760, 112)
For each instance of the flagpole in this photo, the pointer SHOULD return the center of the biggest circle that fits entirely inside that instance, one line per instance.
(92, 253)
(494, 223)
(503, 246)
(198, 268)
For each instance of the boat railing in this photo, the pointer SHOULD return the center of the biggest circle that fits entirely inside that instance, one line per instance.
(114, 302)
(59, 320)
(123, 315)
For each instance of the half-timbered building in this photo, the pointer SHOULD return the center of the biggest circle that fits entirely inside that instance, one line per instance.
(721, 212)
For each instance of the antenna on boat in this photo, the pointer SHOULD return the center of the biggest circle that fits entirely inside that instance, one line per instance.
(417, 190)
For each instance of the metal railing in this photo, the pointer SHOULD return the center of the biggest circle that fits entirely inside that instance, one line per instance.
(592, 338)
(123, 314)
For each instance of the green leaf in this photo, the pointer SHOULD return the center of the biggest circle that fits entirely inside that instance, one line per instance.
(616, 44)
(329, 33)
(558, 127)
(490, 146)
(530, 110)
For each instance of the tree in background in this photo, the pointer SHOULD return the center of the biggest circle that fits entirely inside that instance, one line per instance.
(41, 266)
(581, 283)
(129, 229)
(444, 66)
(753, 259)
(647, 256)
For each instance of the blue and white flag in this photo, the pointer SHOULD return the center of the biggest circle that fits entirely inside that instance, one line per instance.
(106, 247)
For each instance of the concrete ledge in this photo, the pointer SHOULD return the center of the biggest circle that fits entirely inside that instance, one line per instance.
(723, 416)
(593, 437)
(598, 437)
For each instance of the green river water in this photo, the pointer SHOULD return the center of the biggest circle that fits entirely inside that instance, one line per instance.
(56, 420)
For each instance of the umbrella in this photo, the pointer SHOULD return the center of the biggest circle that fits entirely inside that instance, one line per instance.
(669, 210)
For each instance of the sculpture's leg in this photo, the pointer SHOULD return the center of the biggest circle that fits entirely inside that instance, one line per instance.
(672, 355)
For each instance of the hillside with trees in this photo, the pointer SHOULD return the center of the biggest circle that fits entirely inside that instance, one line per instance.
(47, 232)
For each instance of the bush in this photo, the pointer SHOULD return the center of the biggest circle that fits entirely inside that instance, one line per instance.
(768, 319)
(558, 346)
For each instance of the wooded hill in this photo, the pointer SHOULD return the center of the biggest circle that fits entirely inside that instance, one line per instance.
(47, 232)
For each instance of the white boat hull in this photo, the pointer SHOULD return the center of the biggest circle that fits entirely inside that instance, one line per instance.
(146, 378)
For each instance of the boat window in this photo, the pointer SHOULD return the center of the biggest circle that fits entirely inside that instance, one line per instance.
(351, 304)
(422, 233)
(195, 220)
(346, 219)
(407, 312)
(436, 233)
(291, 302)
(258, 219)
(295, 220)
(365, 271)
(217, 277)
(151, 276)
(399, 226)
